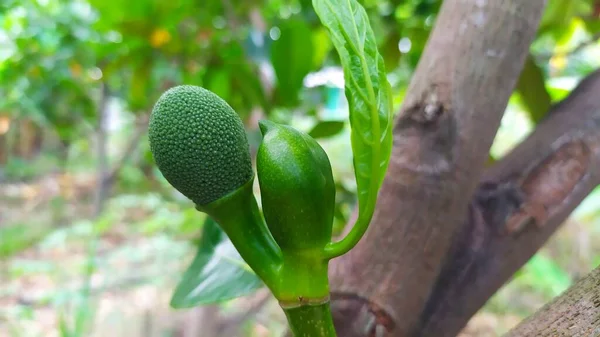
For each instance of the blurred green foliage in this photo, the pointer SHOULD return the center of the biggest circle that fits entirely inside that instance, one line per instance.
(72, 68)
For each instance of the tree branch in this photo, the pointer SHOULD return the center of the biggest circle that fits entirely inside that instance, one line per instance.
(441, 141)
(140, 129)
(101, 187)
(521, 201)
(575, 313)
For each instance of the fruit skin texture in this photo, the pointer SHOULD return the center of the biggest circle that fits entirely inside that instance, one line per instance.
(199, 144)
(296, 187)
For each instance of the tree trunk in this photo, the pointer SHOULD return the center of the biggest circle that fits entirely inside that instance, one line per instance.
(521, 201)
(102, 186)
(446, 235)
(4, 127)
(576, 313)
(29, 140)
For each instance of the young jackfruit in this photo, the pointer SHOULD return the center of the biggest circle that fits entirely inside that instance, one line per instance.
(296, 186)
(199, 144)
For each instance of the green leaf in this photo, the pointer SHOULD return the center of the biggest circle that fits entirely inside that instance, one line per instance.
(63, 326)
(532, 89)
(558, 13)
(367, 90)
(219, 83)
(18, 237)
(247, 83)
(217, 273)
(327, 129)
(558, 93)
(546, 276)
(138, 91)
(592, 25)
(322, 46)
(292, 59)
(369, 98)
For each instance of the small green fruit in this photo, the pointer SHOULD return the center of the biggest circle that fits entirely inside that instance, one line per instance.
(199, 144)
(297, 188)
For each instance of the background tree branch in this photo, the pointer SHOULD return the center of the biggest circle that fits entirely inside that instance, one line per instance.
(141, 126)
(520, 202)
(101, 187)
(575, 313)
(442, 139)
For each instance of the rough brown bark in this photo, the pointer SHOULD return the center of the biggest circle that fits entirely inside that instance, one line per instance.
(441, 141)
(576, 313)
(520, 202)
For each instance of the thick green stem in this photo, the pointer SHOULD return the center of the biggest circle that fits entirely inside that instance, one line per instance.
(311, 320)
(240, 218)
(302, 279)
(298, 278)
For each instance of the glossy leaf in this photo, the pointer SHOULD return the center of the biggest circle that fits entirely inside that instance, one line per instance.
(217, 273)
(326, 129)
(370, 103)
(532, 89)
(292, 57)
(368, 93)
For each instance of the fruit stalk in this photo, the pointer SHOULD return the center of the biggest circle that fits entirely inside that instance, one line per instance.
(238, 214)
(311, 320)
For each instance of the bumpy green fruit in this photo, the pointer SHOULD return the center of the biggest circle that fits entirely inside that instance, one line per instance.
(199, 144)
(297, 188)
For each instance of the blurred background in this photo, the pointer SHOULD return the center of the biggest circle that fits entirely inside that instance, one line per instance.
(93, 241)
